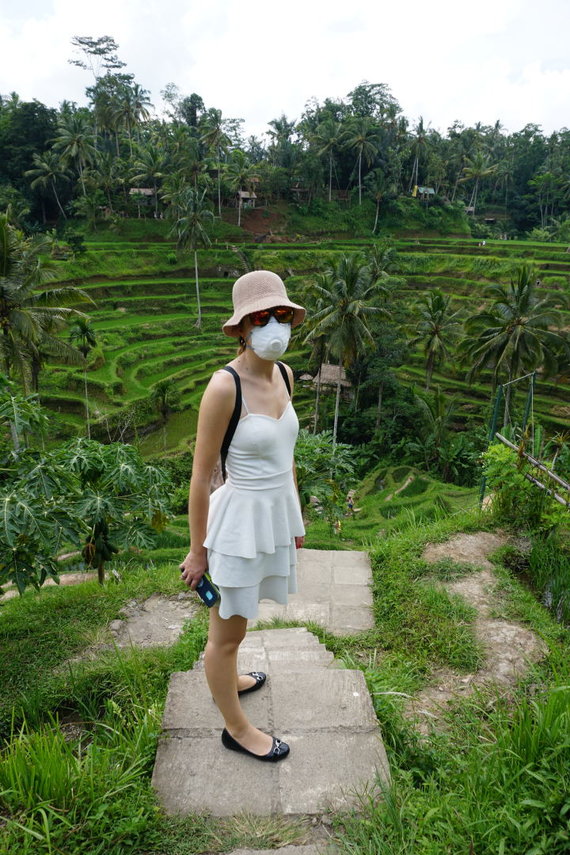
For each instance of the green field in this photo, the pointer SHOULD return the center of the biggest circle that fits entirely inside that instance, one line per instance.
(145, 324)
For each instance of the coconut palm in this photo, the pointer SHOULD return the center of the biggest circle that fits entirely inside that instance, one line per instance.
(515, 335)
(30, 318)
(215, 137)
(149, 166)
(346, 291)
(418, 147)
(362, 136)
(477, 168)
(48, 170)
(241, 174)
(328, 137)
(82, 333)
(164, 396)
(75, 144)
(436, 329)
(190, 230)
(130, 109)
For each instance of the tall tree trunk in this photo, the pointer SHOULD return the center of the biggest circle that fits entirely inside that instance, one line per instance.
(377, 214)
(86, 404)
(360, 178)
(330, 176)
(429, 370)
(199, 320)
(57, 199)
(15, 437)
(317, 398)
(219, 185)
(81, 178)
(336, 407)
(379, 404)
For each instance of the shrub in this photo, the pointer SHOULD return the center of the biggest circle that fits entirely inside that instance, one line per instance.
(517, 502)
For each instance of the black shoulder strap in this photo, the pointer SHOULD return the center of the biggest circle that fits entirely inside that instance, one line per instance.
(283, 371)
(233, 421)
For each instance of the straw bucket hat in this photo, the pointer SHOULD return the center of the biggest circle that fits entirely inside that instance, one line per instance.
(260, 289)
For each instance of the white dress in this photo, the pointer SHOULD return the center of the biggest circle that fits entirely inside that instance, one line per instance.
(255, 516)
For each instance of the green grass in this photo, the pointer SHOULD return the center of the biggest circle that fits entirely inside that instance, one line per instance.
(75, 776)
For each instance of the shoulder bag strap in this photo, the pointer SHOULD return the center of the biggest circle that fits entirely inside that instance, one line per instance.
(285, 376)
(233, 421)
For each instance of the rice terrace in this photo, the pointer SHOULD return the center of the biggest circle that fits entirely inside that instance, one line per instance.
(432, 386)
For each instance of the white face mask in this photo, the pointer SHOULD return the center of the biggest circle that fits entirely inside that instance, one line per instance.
(270, 341)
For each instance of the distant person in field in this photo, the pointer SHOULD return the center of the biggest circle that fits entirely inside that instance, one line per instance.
(247, 532)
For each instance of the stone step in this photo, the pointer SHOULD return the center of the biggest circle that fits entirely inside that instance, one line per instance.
(298, 651)
(324, 713)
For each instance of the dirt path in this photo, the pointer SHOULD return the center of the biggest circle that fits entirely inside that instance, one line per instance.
(509, 647)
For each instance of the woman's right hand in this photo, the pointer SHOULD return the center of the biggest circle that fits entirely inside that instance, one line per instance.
(193, 568)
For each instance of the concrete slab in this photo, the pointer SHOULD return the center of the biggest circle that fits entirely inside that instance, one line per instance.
(334, 592)
(329, 771)
(332, 700)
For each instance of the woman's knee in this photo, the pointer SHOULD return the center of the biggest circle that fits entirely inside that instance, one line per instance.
(227, 634)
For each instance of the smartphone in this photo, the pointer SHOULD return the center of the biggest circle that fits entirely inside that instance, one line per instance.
(207, 591)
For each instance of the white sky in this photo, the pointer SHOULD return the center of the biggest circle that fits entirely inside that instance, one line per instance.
(443, 60)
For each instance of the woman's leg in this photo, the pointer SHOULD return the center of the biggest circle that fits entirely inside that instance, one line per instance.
(220, 661)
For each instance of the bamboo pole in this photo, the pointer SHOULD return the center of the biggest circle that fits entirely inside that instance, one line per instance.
(534, 462)
(555, 496)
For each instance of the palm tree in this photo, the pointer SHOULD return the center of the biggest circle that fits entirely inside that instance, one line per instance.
(164, 396)
(241, 175)
(83, 333)
(435, 330)
(362, 136)
(149, 166)
(476, 168)
(74, 142)
(515, 334)
(419, 145)
(190, 230)
(48, 170)
(382, 258)
(108, 175)
(30, 318)
(345, 292)
(214, 136)
(130, 109)
(328, 137)
(378, 187)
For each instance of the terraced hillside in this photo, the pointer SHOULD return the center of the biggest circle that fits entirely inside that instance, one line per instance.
(145, 326)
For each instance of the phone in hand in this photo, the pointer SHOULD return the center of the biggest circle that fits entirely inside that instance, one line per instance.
(207, 591)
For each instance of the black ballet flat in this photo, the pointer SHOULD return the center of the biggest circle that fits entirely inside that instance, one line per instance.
(259, 678)
(279, 750)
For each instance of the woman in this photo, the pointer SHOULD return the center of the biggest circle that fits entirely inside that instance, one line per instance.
(246, 534)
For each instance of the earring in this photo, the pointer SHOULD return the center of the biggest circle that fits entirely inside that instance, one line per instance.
(242, 341)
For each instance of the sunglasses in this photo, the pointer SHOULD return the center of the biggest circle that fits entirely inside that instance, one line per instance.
(283, 314)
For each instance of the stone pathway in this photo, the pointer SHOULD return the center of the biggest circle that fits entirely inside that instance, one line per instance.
(322, 710)
(509, 647)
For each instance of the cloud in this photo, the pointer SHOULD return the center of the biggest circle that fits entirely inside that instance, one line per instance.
(443, 60)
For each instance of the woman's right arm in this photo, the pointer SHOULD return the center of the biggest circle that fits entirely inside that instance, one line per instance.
(216, 409)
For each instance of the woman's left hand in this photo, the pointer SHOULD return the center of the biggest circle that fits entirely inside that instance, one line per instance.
(300, 542)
